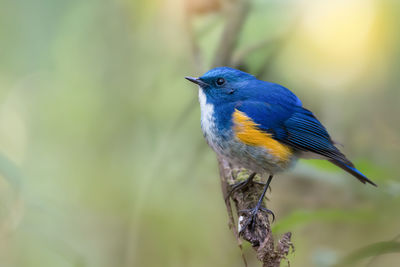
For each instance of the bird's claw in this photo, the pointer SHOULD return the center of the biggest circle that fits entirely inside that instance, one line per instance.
(252, 217)
(235, 188)
(240, 185)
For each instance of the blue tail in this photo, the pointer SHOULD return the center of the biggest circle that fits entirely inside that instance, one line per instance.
(352, 170)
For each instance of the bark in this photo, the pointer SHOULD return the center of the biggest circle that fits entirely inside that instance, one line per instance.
(268, 252)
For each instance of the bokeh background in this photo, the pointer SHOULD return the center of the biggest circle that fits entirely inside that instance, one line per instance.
(102, 160)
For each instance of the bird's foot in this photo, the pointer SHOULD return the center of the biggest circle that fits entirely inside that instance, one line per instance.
(243, 184)
(252, 216)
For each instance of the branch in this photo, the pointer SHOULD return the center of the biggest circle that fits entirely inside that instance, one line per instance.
(269, 253)
(231, 32)
(242, 55)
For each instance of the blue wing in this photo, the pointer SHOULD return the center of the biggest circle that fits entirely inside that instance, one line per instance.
(293, 125)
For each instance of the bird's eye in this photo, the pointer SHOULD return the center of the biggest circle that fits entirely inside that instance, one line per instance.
(220, 81)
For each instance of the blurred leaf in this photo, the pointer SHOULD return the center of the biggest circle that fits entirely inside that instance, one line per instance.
(370, 250)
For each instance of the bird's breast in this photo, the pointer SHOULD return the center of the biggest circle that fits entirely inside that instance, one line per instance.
(208, 122)
(207, 114)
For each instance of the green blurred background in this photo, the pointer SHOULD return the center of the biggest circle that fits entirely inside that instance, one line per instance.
(102, 158)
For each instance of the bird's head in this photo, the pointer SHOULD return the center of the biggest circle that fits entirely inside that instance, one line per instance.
(224, 84)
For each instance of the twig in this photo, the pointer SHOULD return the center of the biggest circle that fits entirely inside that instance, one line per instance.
(266, 66)
(230, 34)
(242, 55)
(373, 259)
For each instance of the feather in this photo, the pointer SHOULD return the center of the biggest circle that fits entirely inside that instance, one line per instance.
(298, 128)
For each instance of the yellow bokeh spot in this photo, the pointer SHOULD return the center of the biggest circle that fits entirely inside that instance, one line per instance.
(339, 42)
(340, 28)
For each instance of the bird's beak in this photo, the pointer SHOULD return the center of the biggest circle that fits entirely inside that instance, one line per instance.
(196, 81)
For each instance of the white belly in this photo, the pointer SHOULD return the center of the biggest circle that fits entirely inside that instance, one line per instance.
(207, 114)
(208, 125)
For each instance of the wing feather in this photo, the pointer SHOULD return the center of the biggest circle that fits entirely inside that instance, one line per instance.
(291, 124)
(294, 126)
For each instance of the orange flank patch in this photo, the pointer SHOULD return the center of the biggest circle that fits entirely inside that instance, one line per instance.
(246, 131)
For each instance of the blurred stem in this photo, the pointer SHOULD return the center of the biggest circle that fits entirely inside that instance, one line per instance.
(374, 250)
(237, 16)
(373, 259)
(196, 52)
(240, 56)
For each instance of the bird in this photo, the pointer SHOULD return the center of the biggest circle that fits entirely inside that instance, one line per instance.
(262, 126)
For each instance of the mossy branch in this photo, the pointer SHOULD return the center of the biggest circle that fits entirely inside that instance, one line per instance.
(260, 236)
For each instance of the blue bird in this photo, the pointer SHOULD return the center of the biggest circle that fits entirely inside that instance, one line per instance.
(262, 126)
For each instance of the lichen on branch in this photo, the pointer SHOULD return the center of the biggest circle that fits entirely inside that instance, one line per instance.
(259, 235)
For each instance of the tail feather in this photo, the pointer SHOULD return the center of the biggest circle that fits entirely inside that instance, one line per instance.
(352, 170)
